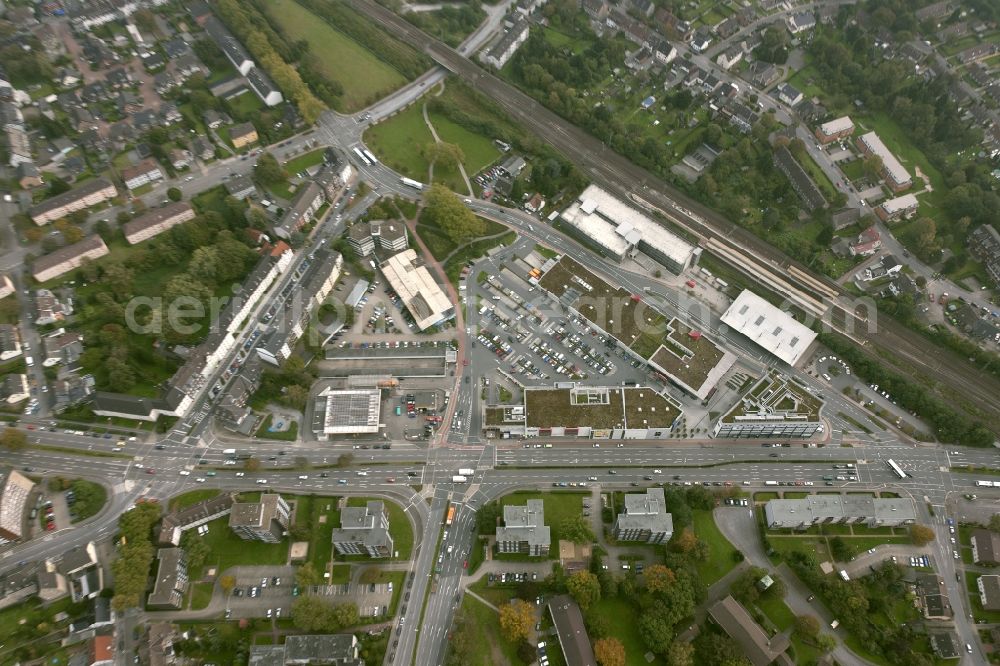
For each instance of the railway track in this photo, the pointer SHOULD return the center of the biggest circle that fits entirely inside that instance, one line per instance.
(888, 342)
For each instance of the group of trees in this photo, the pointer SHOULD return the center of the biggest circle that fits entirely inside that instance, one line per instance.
(13, 439)
(288, 386)
(196, 549)
(450, 23)
(135, 554)
(315, 614)
(854, 602)
(950, 426)
(445, 211)
(253, 31)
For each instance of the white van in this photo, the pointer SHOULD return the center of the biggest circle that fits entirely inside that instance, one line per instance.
(362, 473)
(30, 361)
(185, 472)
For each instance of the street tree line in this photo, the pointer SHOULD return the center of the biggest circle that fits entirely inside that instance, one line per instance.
(135, 555)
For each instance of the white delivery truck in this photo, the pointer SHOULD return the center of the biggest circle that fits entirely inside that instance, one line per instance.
(229, 452)
(459, 479)
(466, 472)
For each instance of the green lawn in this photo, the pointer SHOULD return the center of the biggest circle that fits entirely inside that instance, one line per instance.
(558, 507)
(720, 552)
(289, 435)
(303, 162)
(399, 142)
(480, 151)
(339, 574)
(244, 106)
(453, 267)
(623, 623)
(399, 525)
(201, 595)
(495, 594)
(365, 79)
(191, 497)
(490, 648)
(228, 550)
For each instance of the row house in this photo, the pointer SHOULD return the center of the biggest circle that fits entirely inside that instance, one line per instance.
(155, 222)
(71, 389)
(301, 210)
(68, 258)
(89, 194)
(141, 174)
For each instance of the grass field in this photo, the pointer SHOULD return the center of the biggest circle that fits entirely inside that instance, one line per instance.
(491, 649)
(398, 143)
(896, 139)
(623, 624)
(191, 497)
(367, 78)
(310, 511)
(303, 162)
(720, 558)
(479, 151)
(453, 267)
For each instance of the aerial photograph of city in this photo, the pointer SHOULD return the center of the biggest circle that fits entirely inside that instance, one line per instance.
(499, 332)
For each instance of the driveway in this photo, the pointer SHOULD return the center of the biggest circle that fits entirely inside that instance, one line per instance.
(738, 525)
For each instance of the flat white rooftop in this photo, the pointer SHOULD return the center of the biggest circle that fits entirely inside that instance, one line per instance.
(418, 290)
(351, 411)
(617, 226)
(904, 202)
(836, 125)
(771, 328)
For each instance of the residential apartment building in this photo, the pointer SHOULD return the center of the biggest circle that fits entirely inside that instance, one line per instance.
(83, 572)
(985, 547)
(16, 490)
(91, 193)
(65, 259)
(364, 531)
(326, 649)
(984, 244)
(10, 342)
(242, 135)
(171, 582)
(264, 87)
(989, 592)
(137, 175)
(850, 509)
(18, 146)
(175, 524)
(524, 530)
(898, 208)
(502, 51)
(14, 388)
(803, 185)
(61, 347)
(265, 520)
(241, 186)
(896, 177)
(300, 212)
(868, 243)
(257, 283)
(156, 221)
(760, 648)
(644, 518)
(229, 45)
(364, 237)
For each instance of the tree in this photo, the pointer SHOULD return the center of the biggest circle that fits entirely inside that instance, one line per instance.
(56, 186)
(680, 654)
(584, 587)
(994, 524)
(227, 583)
(251, 464)
(445, 210)
(268, 171)
(685, 542)
(659, 578)
(872, 166)
(807, 626)
(577, 529)
(196, 549)
(921, 535)
(516, 620)
(839, 549)
(609, 652)
(103, 229)
(345, 459)
(306, 575)
(174, 194)
(13, 439)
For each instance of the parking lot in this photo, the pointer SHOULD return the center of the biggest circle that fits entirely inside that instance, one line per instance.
(270, 592)
(520, 330)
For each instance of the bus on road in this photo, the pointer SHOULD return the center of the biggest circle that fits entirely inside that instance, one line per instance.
(451, 515)
(896, 469)
(409, 182)
(362, 157)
